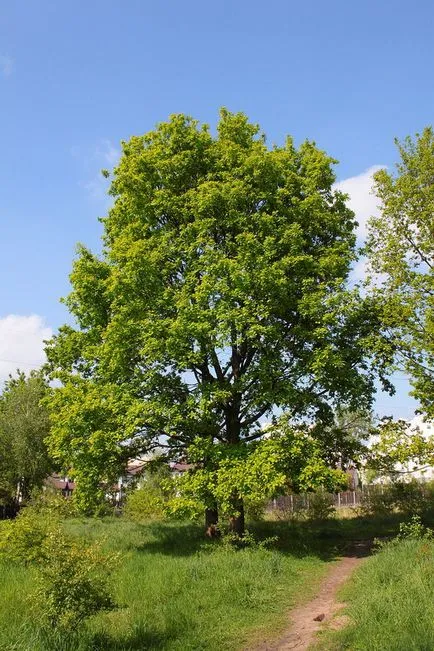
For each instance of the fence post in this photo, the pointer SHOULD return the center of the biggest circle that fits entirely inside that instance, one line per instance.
(291, 501)
(339, 500)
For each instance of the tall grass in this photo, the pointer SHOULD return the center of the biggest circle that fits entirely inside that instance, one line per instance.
(391, 602)
(174, 589)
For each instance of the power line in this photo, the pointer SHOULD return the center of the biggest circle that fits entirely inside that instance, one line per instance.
(15, 361)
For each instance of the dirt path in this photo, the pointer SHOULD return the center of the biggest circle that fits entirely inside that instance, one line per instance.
(309, 618)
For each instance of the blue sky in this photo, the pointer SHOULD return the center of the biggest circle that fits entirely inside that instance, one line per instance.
(76, 78)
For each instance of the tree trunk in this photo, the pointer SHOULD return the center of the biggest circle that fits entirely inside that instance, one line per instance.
(237, 521)
(211, 522)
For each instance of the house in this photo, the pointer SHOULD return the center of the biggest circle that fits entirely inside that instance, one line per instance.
(60, 483)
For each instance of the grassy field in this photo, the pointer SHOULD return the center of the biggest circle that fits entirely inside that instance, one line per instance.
(390, 602)
(175, 590)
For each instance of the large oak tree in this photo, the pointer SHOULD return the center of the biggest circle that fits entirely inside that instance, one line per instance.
(219, 297)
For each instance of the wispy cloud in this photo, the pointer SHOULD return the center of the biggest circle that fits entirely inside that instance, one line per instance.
(21, 343)
(93, 159)
(106, 151)
(7, 65)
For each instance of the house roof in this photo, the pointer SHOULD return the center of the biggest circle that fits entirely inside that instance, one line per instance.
(181, 467)
(60, 484)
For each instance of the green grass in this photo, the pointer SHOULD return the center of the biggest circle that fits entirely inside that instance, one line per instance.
(175, 590)
(390, 602)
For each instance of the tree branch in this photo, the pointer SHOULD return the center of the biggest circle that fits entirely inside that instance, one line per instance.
(254, 417)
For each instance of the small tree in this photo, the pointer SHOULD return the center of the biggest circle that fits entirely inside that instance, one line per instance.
(24, 425)
(220, 295)
(397, 444)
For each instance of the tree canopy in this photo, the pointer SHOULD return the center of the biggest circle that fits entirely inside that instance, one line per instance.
(220, 296)
(24, 425)
(401, 253)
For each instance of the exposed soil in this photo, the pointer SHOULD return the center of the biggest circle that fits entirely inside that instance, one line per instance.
(322, 611)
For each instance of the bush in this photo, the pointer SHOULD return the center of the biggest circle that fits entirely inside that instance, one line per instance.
(51, 501)
(73, 575)
(415, 530)
(145, 503)
(255, 509)
(231, 540)
(321, 506)
(401, 497)
(21, 539)
(409, 498)
(149, 502)
(73, 583)
(376, 501)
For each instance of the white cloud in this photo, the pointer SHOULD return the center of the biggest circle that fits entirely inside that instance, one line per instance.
(21, 343)
(361, 198)
(6, 65)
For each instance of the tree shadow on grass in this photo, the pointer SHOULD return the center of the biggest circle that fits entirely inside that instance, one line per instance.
(140, 639)
(175, 539)
(325, 539)
(333, 537)
(188, 539)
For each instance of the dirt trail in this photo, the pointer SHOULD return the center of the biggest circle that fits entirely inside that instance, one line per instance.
(309, 618)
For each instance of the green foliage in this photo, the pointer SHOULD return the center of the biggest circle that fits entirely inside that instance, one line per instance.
(51, 502)
(248, 541)
(289, 458)
(321, 506)
(24, 425)
(401, 252)
(220, 295)
(148, 502)
(89, 423)
(396, 443)
(401, 497)
(73, 582)
(21, 539)
(415, 530)
(72, 575)
(376, 501)
(145, 503)
(255, 509)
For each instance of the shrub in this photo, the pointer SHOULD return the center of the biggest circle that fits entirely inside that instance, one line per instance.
(376, 501)
(255, 509)
(21, 539)
(409, 498)
(415, 530)
(145, 503)
(73, 575)
(73, 583)
(50, 501)
(232, 540)
(321, 506)
(150, 501)
(402, 497)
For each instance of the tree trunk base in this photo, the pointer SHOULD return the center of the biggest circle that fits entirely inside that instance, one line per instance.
(211, 523)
